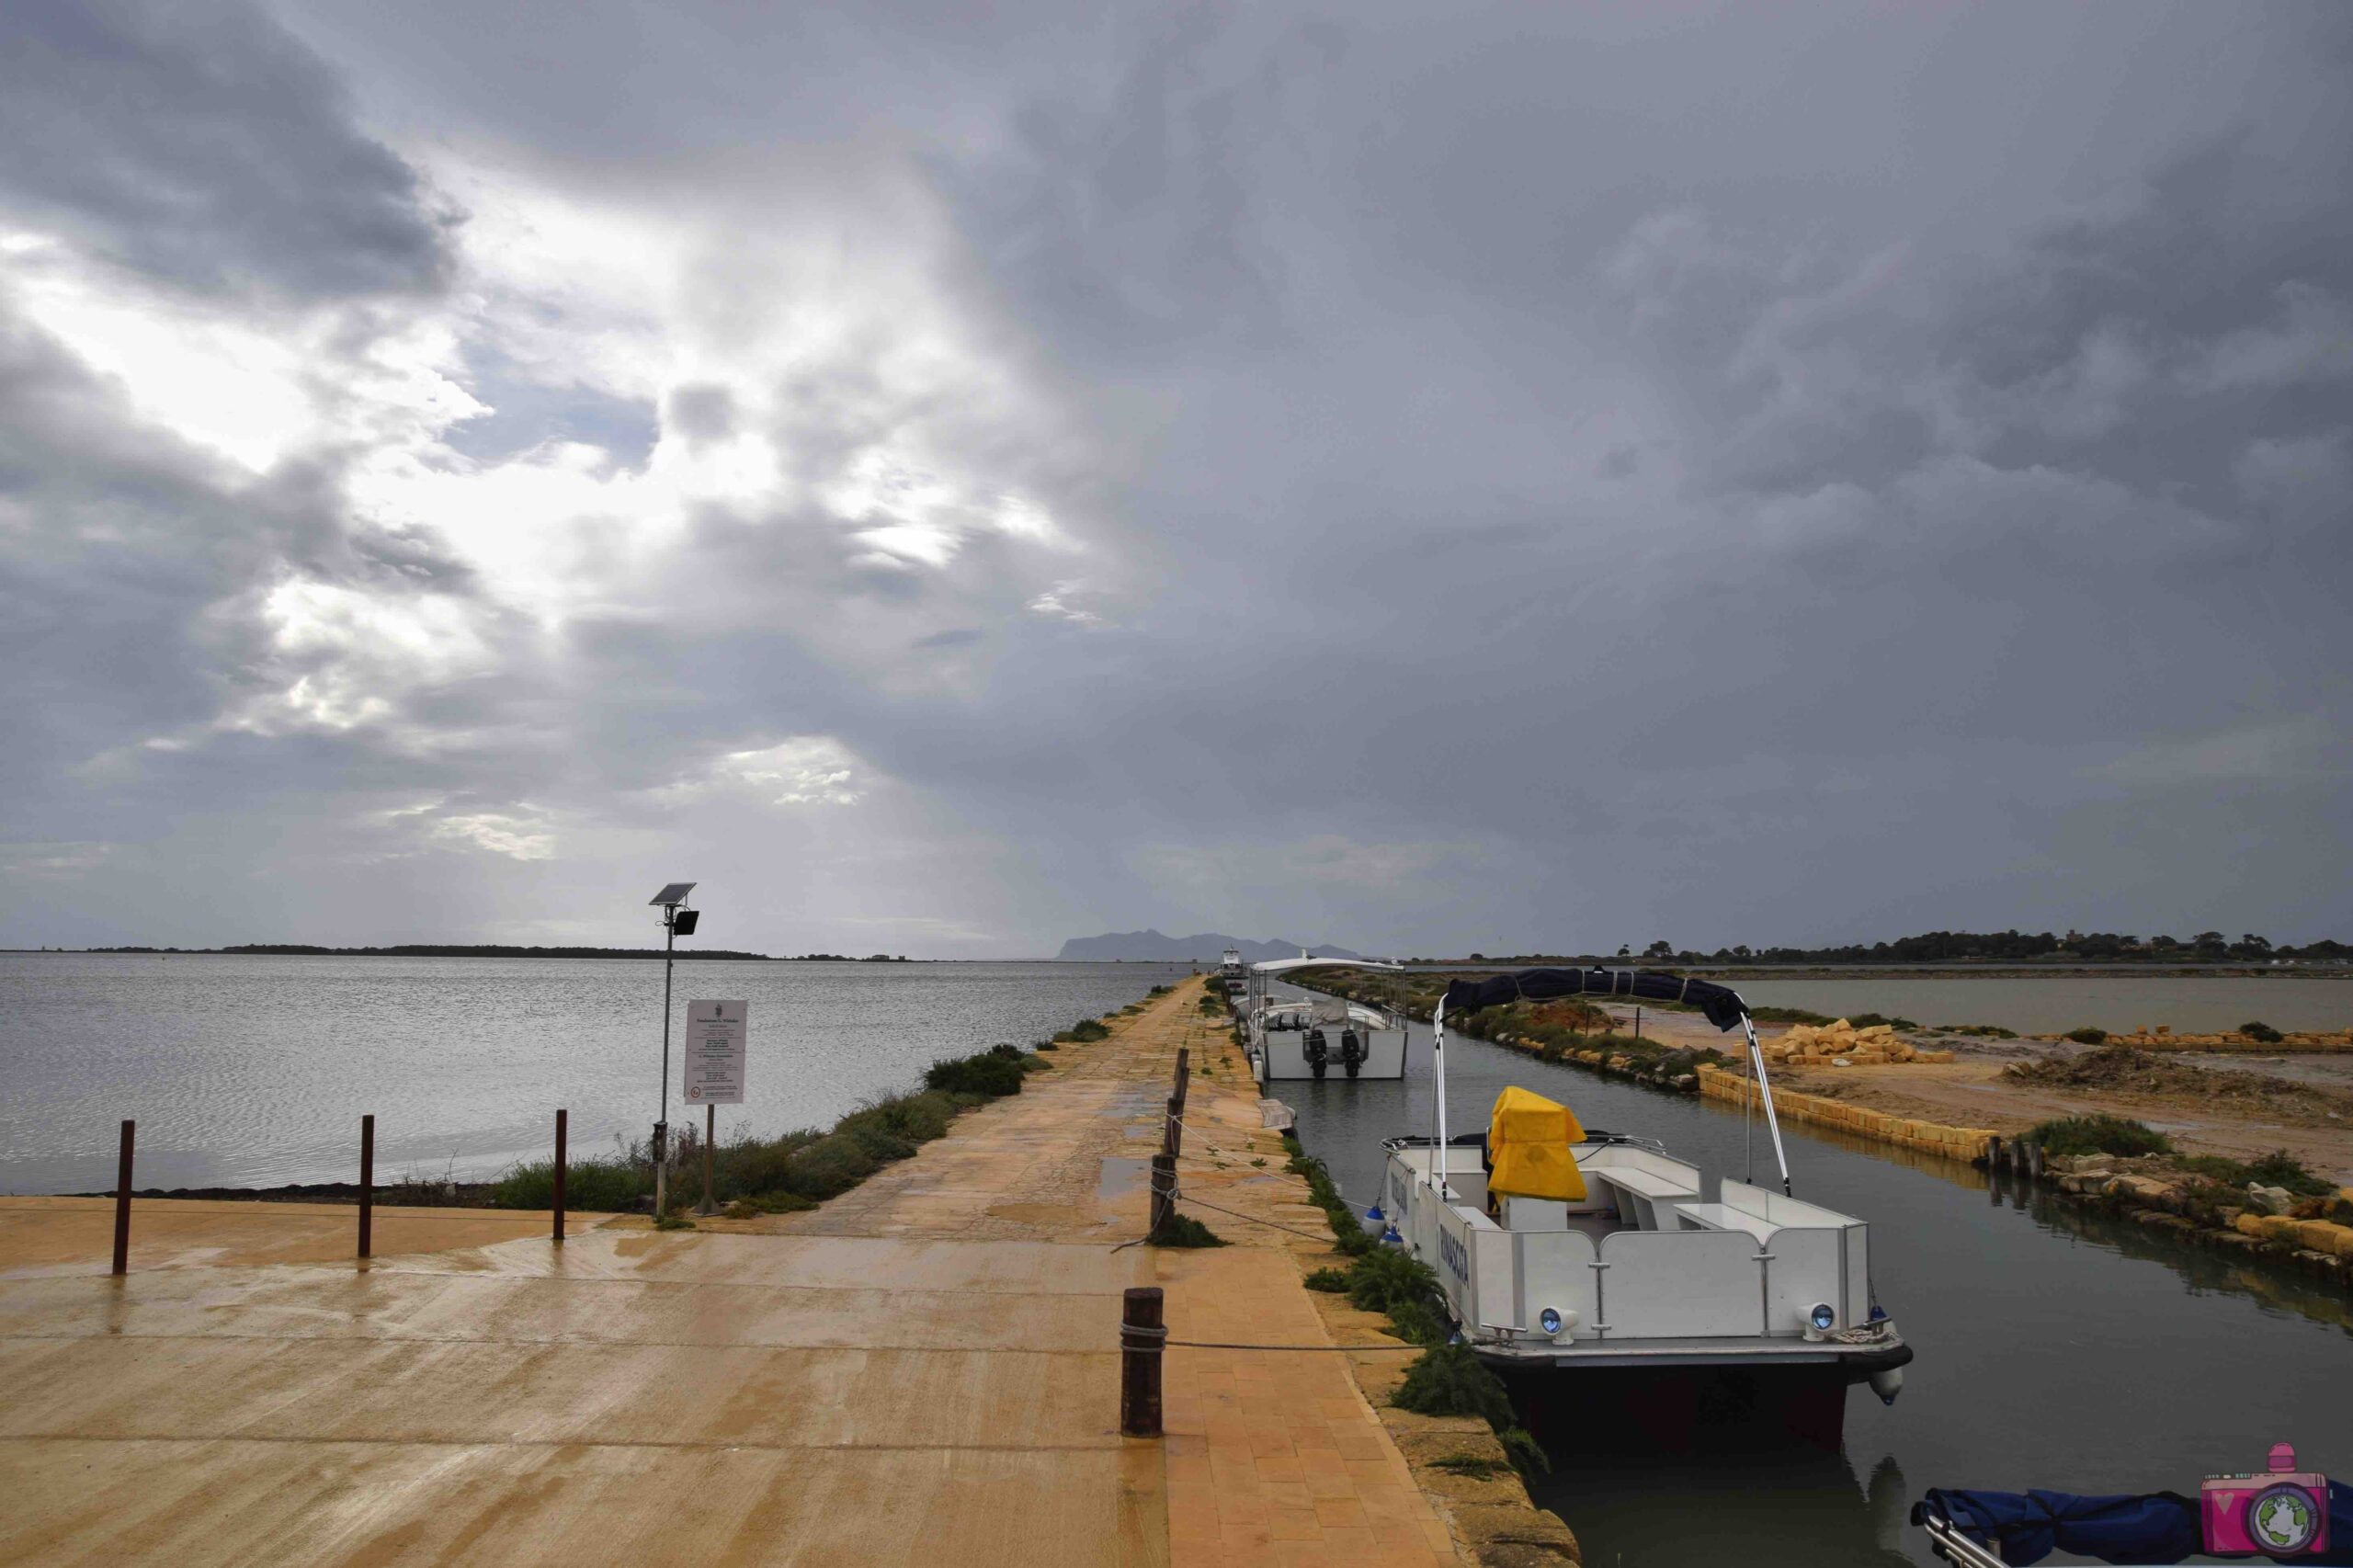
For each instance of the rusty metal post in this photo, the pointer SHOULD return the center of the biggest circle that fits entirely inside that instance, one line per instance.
(122, 1201)
(562, 1117)
(1141, 1336)
(1164, 1190)
(367, 1186)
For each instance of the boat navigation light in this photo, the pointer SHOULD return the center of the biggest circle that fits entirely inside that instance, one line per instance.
(1548, 1320)
(1820, 1319)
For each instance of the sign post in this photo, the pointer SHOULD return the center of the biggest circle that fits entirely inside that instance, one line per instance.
(715, 1039)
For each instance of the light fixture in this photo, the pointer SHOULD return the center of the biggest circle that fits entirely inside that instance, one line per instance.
(1548, 1320)
(1820, 1319)
(676, 921)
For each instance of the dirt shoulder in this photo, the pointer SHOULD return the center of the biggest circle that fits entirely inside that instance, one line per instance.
(2236, 1110)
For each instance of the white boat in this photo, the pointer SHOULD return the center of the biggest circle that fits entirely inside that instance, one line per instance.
(1638, 1273)
(1299, 1038)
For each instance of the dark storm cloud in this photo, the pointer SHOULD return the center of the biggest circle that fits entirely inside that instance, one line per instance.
(198, 143)
(1527, 477)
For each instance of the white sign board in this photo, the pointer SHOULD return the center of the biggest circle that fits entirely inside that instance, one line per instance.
(715, 1053)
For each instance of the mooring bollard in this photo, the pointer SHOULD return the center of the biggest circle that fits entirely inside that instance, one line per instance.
(1141, 1336)
(367, 1185)
(560, 1118)
(1164, 1190)
(122, 1201)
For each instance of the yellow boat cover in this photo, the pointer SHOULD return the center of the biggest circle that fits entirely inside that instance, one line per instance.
(1528, 1143)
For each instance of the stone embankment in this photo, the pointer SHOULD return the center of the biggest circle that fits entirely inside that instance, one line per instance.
(1968, 1144)
(2195, 1210)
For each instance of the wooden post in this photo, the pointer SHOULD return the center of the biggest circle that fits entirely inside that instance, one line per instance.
(1141, 1336)
(1172, 1131)
(367, 1186)
(1164, 1190)
(122, 1201)
(562, 1117)
(1183, 1073)
(1638, 1022)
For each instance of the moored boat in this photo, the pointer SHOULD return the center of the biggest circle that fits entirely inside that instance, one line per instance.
(1598, 1260)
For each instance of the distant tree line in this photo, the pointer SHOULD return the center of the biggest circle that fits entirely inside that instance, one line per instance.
(493, 950)
(1990, 947)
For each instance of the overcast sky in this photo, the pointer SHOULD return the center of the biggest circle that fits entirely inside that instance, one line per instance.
(1421, 478)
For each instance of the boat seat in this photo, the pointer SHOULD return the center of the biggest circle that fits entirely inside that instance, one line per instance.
(1643, 1192)
(1721, 1217)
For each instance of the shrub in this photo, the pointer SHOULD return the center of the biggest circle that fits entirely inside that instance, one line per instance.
(987, 1075)
(1385, 1280)
(593, 1184)
(1210, 1004)
(1331, 1281)
(2280, 1168)
(2261, 1032)
(1870, 1020)
(1157, 990)
(2087, 1036)
(2099, 1134)
(829, 1168)
(1183, 1231)
(1473, 1465)
(1448, 1380)
(1417, 1324)
(1526, 1455)
(1082, 1031)
(1980, 1032)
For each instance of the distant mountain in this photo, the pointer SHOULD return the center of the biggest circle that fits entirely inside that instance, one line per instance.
(1150, 946)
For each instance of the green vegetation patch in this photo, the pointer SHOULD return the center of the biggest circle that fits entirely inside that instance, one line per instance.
(1448, 1380)
(2087, 1036)
(1331, 1281)
(2099, 1134)
(1084, 1032)
(2258, 1030)
(1183, 1230)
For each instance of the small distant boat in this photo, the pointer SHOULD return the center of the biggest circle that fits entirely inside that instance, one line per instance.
(1598, 1262)
(1301, 1039)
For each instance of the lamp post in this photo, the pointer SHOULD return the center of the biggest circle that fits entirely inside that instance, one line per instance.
(677, 921)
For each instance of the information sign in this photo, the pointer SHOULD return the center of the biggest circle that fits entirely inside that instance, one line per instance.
(715, 1053)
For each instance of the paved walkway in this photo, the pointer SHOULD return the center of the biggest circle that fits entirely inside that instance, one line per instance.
(925, 1369)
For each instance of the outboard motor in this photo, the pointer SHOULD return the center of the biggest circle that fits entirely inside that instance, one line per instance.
(1316, 1051)
(1352, 1051)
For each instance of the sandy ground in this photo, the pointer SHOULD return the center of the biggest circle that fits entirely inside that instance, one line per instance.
(924, 1371)
(1973, 1092)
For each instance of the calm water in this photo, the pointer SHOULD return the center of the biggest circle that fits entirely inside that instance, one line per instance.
(2055, 1350)
(256, 1070)
(2201, 1003)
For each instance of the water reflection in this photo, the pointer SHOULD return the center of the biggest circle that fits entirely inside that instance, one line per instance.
(1757, 1507)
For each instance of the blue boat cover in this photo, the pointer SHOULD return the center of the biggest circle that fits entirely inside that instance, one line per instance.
(2154, 1527)
(1721, 1004)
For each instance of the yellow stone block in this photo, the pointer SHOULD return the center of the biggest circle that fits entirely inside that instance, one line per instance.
(2250, 1224)
(2325, 1236)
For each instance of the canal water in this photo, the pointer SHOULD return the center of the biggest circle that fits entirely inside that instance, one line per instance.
(2055, 1349)
(254, 1070)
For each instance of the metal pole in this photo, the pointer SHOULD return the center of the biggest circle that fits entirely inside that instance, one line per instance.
(367, 1185)
(561, 1116)
(122, 1201)
(710, 1137)
(661, 1126)
(1437, 1087)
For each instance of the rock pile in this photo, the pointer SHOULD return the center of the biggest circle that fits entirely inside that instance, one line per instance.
(1841, 1044)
